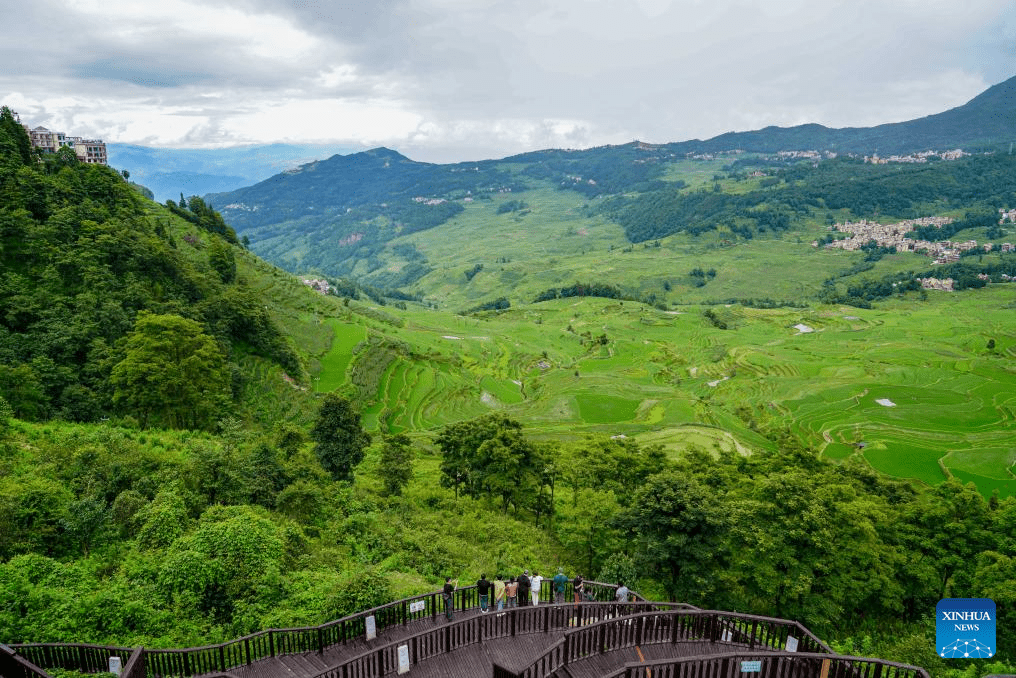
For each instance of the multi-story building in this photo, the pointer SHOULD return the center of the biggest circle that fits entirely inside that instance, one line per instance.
(92, 151)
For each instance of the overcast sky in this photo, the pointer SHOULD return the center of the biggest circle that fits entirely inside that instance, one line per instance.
(447, 80)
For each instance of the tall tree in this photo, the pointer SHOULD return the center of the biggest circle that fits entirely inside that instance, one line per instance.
(396, 463)
(339, 437)
(173, 374)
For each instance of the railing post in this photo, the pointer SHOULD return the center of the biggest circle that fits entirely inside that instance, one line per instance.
(639, 630)
(246, 649)
(320, 641)
(271, 643)
(186, 664)
(222, 659)
(433, 605)
(405, 613)
(514, 615)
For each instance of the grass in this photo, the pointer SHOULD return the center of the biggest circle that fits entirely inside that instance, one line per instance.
(674, 379)
(671, 376)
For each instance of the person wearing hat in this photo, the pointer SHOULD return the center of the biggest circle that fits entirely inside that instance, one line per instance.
(560, 584)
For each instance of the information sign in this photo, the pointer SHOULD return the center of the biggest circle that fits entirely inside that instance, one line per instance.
(371, 628)
(751, 667)
(403, 659)
(791, 644)
(418, 606)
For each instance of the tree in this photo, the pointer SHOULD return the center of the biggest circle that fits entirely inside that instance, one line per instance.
(222, 260)
(173, 374)
(396, 463)
(339, 437)
(677, 524)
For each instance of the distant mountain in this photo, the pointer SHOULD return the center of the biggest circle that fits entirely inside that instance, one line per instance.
(986, 120)
(327, 215)
(338, 215)
(168, 172)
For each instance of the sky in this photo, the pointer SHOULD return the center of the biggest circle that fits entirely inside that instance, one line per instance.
(456, 80)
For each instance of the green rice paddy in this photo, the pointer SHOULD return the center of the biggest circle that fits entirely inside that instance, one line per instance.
(910, 387)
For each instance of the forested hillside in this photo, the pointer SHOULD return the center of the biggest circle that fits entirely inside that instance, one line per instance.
(195, 446)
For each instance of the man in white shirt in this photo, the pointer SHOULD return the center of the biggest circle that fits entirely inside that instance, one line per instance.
(534, 583)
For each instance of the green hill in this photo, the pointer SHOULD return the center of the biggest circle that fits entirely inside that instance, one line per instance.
(782, 429)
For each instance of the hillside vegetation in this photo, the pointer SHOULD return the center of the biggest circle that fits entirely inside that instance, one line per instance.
(168, 475)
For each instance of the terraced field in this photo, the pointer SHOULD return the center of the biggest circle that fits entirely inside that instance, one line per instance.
(910, 386)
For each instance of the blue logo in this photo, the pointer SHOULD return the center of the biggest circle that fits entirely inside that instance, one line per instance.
(965, 628)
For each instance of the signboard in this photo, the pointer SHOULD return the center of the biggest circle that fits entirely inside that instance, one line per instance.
(403, 659)
(825, 669)
(371, 628)
(751, 667)
(115, 666)
(791, 644)
(418, 606)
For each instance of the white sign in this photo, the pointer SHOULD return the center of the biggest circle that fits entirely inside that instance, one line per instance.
(791, 644)
(115, 666)
(728, 636)
(371, 628)
(418, 606)
(403, 659)
(751, 667)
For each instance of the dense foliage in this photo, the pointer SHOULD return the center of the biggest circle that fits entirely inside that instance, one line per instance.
(892, 191)
(82, 257)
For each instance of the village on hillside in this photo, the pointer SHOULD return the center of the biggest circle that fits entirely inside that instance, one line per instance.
(894, 235)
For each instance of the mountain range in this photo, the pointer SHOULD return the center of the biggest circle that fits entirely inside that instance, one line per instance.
(353, 215)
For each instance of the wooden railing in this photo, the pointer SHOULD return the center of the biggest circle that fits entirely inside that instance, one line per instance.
(72, 656)
(381, 661)
(770, 665)
(628, 627)
(184, 663)
(13, 666)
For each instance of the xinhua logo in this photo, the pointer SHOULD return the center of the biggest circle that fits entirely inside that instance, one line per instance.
(965, 628)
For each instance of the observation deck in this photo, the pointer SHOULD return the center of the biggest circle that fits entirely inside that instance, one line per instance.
(592, 639)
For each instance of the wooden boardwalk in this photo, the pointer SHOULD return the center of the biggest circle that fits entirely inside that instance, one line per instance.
(472, 661)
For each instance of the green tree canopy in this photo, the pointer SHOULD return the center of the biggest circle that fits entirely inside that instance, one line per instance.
(173, 374)
(396, 464)
(339, 437)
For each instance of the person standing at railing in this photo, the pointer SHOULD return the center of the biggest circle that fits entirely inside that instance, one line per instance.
(499, 592)
(449, 596)
(578, 587)
(511, 592)
(524, 588)
(534, 587)
(483, 588)
(622, 592)
(560, 584)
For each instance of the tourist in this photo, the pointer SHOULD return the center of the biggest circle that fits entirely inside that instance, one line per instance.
(578, 586)
(511, 592)
(483, 588)
(534, 587)
(621, 594)
(449, 596)
(524, 589)
(560, 584)
(499, 589)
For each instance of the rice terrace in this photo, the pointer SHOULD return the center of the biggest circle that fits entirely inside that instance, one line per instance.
(916, 396)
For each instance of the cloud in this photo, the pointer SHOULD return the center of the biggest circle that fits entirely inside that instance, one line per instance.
(463, 79)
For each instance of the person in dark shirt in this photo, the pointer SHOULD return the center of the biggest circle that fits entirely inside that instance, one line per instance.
(560, 584)
(524, 588)
(578, 588)
(483, 588)
(448, 595)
